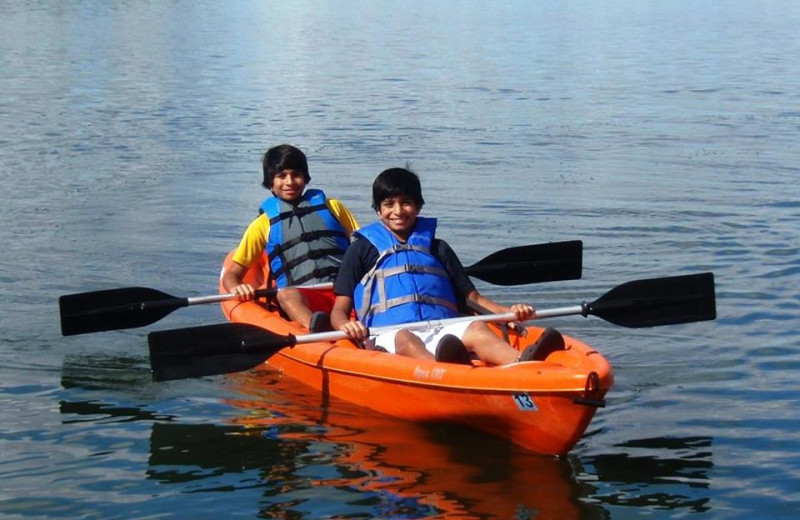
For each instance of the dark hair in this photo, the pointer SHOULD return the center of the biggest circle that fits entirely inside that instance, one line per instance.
(283, 157)
(396, 182)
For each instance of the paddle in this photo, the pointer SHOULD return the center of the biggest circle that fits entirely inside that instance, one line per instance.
(531, 264)
(132, 307)
(232, 347)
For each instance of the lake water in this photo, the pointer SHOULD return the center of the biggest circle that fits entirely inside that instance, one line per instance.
(662, 134)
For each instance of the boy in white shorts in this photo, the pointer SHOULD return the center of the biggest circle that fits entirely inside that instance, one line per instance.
(395, 271)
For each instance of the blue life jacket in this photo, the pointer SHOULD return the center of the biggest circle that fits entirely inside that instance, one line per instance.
(306, 241)
(407, 283)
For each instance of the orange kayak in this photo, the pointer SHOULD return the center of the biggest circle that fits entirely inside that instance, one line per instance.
(543, 406)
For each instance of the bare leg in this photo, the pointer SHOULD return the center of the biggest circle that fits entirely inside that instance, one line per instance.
(294, 305)
(479, 338)
(407, 344)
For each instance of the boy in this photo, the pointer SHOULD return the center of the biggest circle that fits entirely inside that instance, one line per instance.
(396, 271)
(305, 236)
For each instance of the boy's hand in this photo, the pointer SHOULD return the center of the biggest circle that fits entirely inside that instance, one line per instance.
(244, 291)
(523, 311)
(355, 330)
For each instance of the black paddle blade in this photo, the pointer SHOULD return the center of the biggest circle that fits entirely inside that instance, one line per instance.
(658, 301)
(531, 264)
(113, 309)
(211, 350)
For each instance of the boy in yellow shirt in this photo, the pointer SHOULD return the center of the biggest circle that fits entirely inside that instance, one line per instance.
(304, 234)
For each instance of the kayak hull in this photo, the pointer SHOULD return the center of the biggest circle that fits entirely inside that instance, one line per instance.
(543, 406)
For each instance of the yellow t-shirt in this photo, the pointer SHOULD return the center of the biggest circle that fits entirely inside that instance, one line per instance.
(255, 237)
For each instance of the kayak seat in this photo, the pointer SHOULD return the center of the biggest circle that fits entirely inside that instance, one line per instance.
(550, 341)
(451, 350)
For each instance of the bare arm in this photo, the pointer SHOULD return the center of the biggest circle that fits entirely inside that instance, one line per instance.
(248, 252)
(232, 281)
(340, 319)
(522, 310)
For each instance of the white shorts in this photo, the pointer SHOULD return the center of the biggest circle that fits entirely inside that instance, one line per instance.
(430, 337)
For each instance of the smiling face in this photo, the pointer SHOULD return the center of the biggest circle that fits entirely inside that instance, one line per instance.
(399, 214)
(288, 185)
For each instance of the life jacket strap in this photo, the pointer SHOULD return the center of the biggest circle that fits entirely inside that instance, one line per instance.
(324, 273)
(385, 305)
(311, 255)
(308, 236)
(296, 211)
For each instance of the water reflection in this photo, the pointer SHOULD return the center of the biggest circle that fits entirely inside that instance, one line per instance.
(192, 452)
(371, 465)
(104, 372)
(665, 473)
(278, 444)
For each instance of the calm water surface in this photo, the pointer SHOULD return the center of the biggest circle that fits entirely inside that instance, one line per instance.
(662, 134)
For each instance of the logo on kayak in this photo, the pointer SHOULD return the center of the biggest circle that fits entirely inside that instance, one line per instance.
(435, 374)
(524, 402)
